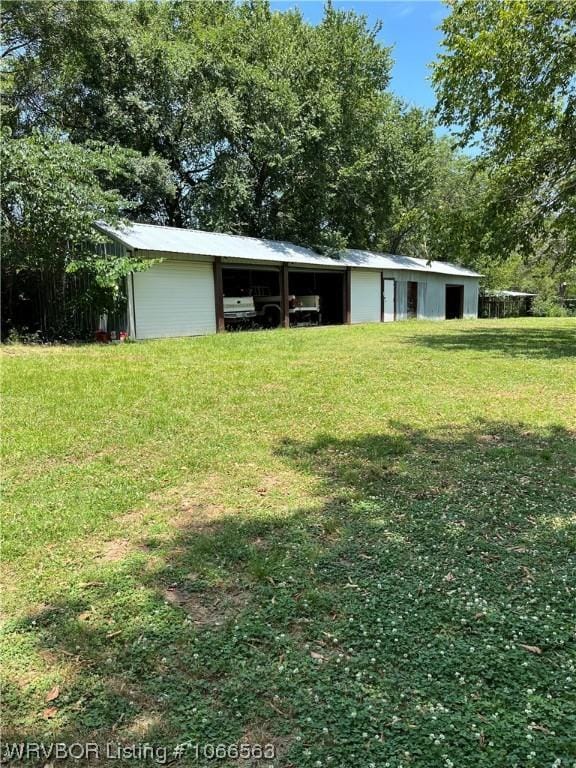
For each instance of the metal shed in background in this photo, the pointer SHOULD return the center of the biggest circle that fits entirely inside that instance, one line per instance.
(182, 295)
(497, 304)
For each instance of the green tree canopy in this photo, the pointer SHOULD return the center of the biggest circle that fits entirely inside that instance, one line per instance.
(229, 116)
(509, 79)
(52, 192)
(270, 126)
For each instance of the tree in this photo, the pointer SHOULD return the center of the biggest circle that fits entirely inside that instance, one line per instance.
(56, 273)
(270, 126)
(416, 154)
(508, 79)
(229, 116)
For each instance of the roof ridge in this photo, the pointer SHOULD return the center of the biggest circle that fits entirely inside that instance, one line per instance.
(131, 236)
(227, 234)
(414, 258)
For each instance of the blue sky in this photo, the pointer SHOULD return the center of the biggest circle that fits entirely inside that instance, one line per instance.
(409, 25)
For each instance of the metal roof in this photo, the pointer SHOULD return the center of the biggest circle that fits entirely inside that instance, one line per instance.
(150, 237)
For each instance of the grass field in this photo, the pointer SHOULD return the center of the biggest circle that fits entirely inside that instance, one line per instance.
(356, 544)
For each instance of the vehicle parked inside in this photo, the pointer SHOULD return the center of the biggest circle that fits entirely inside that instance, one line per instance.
(239, 311)
(302, 310)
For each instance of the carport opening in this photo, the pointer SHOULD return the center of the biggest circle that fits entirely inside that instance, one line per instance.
(252, 297)
(242, 290)
(329, 287)
(244, 282)
(454, 302)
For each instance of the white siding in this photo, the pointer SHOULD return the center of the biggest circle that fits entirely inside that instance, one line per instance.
(434, 307)
(422, 294)
(366, 301)
(401, 299)
(432, 293)
(130, 306)
(174, 298)
(470, 299)
(389, 300)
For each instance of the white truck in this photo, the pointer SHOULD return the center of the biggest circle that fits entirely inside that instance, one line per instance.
(239, 310)
(303, 310)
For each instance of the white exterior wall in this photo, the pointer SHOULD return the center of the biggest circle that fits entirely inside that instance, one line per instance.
(366, 296)
(434, 307)
(173, 298)
(471, 298)
(389, 300)
(176, 296)
(421, 305)
(432, 293)
(401, 299)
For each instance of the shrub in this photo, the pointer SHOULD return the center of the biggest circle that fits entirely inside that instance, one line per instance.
(548, 307)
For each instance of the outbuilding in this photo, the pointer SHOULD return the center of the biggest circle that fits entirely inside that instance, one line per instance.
(182, 293)
(498, 304)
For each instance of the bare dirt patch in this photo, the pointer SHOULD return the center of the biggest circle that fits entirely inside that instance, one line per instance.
(195, 508)
(209, 608)
(273, 483)
(115, 550)
(143, 725)
(260, 735)
(120, 686)
(200, 517)
(135, 517)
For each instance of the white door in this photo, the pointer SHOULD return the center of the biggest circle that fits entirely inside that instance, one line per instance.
(365, 300)
(174, 298)
(388, 288)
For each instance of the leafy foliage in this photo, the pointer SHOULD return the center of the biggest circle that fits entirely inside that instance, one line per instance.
(508, 79)
(52, 192)
(549, 307)
(269, 126)
(236, 118)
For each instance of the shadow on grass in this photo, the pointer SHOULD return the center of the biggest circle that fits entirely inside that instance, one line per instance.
(516, 342)
(421, 607)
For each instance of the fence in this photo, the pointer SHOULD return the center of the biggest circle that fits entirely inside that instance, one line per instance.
(492, 306)
(53, 306)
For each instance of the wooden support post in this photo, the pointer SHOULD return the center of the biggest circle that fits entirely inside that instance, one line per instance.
(284, 297)
(348, 296)
(219, 294)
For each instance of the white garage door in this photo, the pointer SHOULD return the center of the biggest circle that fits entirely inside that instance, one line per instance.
(174, 298)
(366, 296)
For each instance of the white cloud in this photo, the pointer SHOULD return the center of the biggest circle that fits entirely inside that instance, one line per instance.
(405, 9)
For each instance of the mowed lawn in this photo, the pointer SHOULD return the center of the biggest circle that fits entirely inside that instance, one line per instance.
(356, 544)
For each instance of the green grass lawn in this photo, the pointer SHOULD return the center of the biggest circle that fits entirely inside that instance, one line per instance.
(356, 544)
